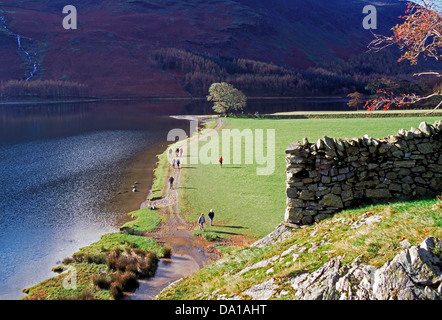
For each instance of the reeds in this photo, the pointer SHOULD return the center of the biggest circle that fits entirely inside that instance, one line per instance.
(125, 267)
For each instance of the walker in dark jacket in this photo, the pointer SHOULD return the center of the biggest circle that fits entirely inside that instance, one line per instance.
(211, 216)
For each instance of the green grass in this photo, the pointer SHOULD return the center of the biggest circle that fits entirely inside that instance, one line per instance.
(248, 204)
(122, 241)
(53, 288)
(146, 220)
(161, 173)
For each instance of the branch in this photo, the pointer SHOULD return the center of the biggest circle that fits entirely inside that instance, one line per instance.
(399, 101)
(432, 73)
(437, 107)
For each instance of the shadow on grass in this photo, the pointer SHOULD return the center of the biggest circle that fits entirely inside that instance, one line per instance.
(231, 167)
(235, 227)
(187, 188)
(225, 232)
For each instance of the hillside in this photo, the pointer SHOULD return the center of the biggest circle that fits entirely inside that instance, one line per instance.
(113, 50)
(383, 252)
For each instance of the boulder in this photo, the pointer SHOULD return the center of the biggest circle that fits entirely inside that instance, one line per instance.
(425, 129)
(414, 274)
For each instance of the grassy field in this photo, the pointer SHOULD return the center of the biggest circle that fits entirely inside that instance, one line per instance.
(252, 205)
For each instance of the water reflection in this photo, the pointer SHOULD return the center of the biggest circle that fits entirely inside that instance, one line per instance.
(59, 166)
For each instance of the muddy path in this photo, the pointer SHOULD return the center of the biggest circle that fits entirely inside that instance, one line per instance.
(189, 253)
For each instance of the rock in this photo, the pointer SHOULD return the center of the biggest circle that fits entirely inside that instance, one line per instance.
(293, 215)
(306, 220)
(329, 143)
(425, 129)
(262, 291)
(384, 147)
(405, 244)
(377, 193)
(347, 195)
(411, 275)
(425, 148)
(320, 144)
(292, 147)
(259, 265)
(320, 284)
(322, 216)
(409, 135)
(331, 200)
(307, 195)
(305, 142)
(414, 274)
(340, 145)
(366, 218)
(281, 232)
(404, 164)
(395, 187)
(298, 160)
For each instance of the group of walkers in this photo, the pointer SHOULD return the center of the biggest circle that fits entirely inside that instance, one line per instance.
(202, 220)
(177, 161)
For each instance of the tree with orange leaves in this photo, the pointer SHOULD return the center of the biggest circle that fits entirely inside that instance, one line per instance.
(420, 35)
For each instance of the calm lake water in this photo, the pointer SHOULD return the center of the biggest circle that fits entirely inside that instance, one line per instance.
(60, 164)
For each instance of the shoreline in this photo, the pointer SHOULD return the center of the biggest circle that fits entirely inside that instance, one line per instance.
(132, 202)
(94, 100)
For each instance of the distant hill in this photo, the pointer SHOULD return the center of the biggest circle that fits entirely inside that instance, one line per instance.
(114, 51)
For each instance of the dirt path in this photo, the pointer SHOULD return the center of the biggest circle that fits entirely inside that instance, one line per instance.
(189, 253)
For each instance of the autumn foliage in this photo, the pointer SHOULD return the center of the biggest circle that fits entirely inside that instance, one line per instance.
(420, 35)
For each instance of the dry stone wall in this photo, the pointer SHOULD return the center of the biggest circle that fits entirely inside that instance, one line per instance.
(332, 174)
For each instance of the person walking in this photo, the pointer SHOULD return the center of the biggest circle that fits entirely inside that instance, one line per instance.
(211, 216)
(171, 180)
(178, 162)
(201, 221)
(221, 161)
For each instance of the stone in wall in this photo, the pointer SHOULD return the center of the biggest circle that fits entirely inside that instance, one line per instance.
(333, 174)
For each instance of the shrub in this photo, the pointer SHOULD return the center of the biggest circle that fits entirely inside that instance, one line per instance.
(167, 251)
(102, 281)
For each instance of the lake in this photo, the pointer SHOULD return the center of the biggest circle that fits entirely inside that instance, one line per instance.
(67, 170)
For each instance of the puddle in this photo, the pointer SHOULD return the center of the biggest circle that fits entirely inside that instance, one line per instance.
(169, 270)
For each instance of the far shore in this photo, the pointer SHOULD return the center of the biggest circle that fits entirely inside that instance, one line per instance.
(93, 100)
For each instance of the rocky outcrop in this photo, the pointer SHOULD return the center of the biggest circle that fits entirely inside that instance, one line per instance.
(332, 174)
(414, 274)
